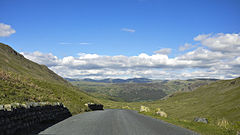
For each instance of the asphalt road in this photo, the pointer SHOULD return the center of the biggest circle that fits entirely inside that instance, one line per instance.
(114, 122)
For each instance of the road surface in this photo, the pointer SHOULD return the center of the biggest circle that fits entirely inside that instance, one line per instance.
(114, 122)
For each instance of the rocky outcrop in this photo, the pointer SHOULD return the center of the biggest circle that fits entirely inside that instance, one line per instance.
(94, 107)
(16, 118)
(126, 107)
(223, 123)
(161, 113)
(144, 109)
(202, 120)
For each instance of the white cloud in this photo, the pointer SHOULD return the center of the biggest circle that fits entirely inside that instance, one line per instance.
(6, 30)
(202, 55)
(201, 62)
(84, 43)
(41, 58)
(226, 43)
(128, 30)
(164, 51)
(186, 46)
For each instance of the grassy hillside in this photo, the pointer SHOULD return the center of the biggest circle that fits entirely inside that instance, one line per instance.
(216, 100)
(22, 80)
(12, 61)
(219, 102)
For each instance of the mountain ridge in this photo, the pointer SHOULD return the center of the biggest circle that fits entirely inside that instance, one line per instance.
(109, 80)
(11, 60)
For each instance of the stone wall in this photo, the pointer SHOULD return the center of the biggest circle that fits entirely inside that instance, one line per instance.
(16, 118)
(94, 107)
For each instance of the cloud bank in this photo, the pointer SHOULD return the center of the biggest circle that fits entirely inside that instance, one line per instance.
(217, 56)
(6, 30)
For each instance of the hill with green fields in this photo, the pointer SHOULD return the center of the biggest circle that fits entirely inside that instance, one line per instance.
(133, 92)
(22, 80)
(219, 102)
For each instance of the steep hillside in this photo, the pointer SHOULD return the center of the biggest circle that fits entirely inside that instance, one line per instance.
(219, 102)
(12, 61)
(185, 85)
(22, 80)
(220, 99)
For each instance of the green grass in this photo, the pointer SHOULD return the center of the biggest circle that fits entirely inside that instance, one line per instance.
(22, 80)
(12, 61)
(17, 88)
(203, 129)
(216, 101)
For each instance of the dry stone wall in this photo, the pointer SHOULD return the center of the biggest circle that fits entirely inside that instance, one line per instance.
(15, 118)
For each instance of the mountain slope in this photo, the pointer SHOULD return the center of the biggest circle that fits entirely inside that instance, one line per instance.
(12, 61)
(219, 102)
(22, 80)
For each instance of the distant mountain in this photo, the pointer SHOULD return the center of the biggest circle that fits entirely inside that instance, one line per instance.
(203, 79)
(22, 80)
(108, 80)
(130, 91)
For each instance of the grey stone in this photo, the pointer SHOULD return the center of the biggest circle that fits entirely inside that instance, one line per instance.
(2, 108)
(35, 104)
(56, 104)
(15, 105)
(24, 106)
(8, 107)
(202, 120)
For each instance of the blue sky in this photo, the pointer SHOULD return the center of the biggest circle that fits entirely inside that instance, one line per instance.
(121, 27)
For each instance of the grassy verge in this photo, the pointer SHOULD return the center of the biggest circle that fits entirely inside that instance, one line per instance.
(201, 128)
(204, 129)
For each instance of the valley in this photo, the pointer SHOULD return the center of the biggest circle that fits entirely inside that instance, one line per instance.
(22, 81)
(138, 91)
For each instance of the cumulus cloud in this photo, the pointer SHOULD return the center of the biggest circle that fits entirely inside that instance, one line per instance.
(206, 61)
(128, 30)
(202, 54)
(226, 43)
(186, 46)
(6, 30)
(41, 58)
(165, 51)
